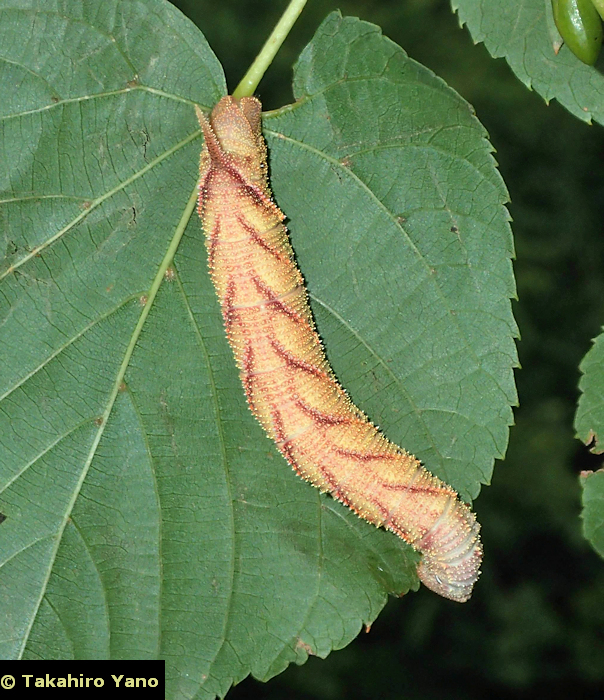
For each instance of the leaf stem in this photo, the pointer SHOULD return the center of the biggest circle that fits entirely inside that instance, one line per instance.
(250, 80)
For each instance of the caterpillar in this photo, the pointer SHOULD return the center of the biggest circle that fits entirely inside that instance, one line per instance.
(289, 384)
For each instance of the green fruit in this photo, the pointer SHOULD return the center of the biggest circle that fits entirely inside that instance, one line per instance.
(580, 26)
(599, 5)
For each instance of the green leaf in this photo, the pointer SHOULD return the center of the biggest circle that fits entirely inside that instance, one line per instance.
(406, 247)
(147, 515)
(589, 424)
(522, 32)
(593, 509)
(589, 421)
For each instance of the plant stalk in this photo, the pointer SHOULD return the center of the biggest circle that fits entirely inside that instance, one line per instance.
(250, 80)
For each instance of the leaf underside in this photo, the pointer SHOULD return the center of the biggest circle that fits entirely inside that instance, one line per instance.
(523, 32)
(151, 517)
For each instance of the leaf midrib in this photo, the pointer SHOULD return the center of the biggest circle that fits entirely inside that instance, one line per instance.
(96, 95)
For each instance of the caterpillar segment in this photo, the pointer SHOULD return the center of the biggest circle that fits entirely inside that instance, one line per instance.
(288, 382)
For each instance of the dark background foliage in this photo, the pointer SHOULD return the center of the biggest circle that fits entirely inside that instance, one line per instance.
(535, 625)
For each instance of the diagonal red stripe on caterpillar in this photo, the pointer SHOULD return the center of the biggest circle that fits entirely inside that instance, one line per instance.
(288, 382)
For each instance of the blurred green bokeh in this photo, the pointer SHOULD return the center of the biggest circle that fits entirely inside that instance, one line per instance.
(535, 625)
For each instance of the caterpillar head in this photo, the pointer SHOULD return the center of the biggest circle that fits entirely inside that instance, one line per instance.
(233, 135)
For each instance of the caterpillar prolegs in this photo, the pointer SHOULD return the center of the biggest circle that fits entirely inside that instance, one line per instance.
(288, 382)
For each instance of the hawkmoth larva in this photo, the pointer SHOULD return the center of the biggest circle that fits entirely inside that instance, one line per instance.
(288, 382)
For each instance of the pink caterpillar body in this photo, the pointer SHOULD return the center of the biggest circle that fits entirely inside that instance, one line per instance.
(288, 382)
